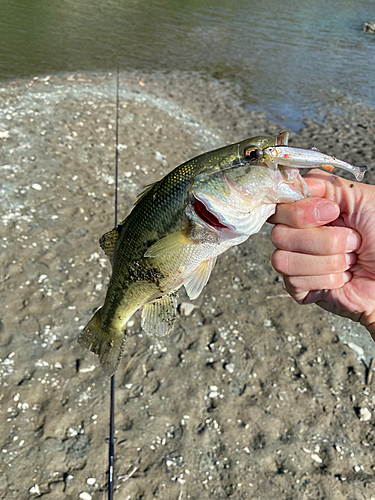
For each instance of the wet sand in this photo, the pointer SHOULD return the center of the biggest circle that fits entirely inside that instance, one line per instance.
(250, 396)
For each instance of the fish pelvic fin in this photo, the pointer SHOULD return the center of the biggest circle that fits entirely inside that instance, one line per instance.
(104, 341)
(195, 283)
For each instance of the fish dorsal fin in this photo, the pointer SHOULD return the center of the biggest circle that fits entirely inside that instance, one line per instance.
(140, 197)
(168, 244)
(146, 190)
(108, 241)
(158, 317)
(198, 279)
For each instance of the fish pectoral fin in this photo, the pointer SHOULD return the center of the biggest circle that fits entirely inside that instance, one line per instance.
(107, 342)
(158, 317)
(168, 244)
(108, 242)
(198, 279)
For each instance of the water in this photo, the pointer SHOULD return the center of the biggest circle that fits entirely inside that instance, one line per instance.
(288, 58)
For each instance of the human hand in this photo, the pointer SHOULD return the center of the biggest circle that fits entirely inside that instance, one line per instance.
(325, 247)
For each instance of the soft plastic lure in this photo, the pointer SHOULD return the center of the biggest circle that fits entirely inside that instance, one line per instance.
(309, 158)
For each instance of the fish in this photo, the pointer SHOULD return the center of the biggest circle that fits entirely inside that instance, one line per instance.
(180, 225)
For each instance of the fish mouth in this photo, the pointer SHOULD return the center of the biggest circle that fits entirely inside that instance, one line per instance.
(244, 208)
(206, 216)
(280, 140)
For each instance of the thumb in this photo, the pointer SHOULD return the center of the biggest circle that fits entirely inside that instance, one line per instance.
(309, 212)
(351, 196)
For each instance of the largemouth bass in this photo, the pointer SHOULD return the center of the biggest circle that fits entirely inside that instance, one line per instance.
(180, 225)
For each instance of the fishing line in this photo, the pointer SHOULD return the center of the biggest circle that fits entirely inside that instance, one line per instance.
(112, 400)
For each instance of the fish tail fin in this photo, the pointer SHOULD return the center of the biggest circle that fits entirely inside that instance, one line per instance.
(107, 342)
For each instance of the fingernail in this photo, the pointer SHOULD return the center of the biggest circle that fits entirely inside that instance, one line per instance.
(353, 242)
(351, 258)
(347, 276)
(326, 212)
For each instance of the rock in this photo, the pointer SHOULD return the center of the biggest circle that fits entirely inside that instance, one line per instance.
(186, 308)
(34, 490)
(364, 414)
(316, 458)
(369, 27)
(85, 496)
(357, 349)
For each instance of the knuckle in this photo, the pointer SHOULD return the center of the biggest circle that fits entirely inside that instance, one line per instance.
(338, 263)
(335, 281)
(279, 261)
(274, 235)
(279, 235)
(332, 244)
(293, 285)
(299, 297)
(300, 216)
(335, 241)
(304, 213)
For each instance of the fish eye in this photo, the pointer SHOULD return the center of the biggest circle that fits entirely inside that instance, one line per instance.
(253, 153)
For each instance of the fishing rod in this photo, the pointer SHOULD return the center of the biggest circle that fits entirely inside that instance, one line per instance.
(111, 448)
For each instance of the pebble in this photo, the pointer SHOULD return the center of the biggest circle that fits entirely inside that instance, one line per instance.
(91, 481)
(229, 367)
(356, 348)
(87, 369)
(364, 414)
(34, 490)
(85, 496)
(37, 187)
(214, 393)
(71, 432)
(316, 458)
(370, 27)
(160, 157)
(186, 308)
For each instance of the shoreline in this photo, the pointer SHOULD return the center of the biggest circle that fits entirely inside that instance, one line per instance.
(297, 118)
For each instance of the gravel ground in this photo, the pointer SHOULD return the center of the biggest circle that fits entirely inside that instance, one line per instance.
(250, 397)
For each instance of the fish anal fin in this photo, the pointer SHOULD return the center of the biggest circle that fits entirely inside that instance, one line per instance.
(158, 317)
(195, 283)
(168, 244)
(108, 241)
(107, 342)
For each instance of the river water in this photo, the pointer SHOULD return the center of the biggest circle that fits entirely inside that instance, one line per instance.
(287, 58)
